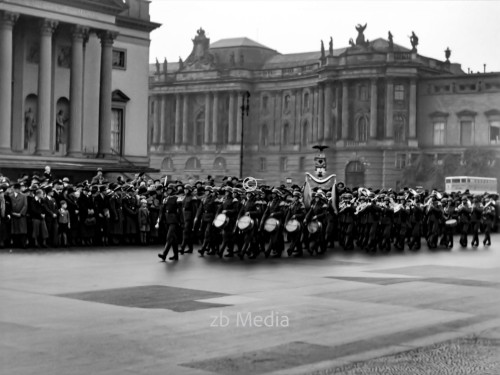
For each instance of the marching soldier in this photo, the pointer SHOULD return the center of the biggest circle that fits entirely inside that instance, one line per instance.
(297, 212)
(464, 212)
(475, 220)
(169, 212)
(189, 208)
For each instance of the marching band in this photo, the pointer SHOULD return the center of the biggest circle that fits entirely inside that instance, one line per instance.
(238, 218)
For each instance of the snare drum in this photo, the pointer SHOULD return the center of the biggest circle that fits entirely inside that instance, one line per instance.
(220, 220)
(451, 223)
(292, 226)
(245, 223)
(313, 226)
(271, 224)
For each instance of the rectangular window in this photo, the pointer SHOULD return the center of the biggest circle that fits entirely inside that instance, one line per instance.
(117, 130)
(400, 161)
(466, 133)
(263, 164)
(399, 93)
(495, 132)
(439, 133)
(283, 164)
(119, 58)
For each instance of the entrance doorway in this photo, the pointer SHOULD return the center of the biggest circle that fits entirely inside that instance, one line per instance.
(355, 174)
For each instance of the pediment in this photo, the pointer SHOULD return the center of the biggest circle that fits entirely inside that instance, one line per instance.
(466, 113)
(119, 96)
(438, 114)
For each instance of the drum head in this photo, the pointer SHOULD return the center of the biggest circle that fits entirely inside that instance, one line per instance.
(451, 222)
(292, 225)
(313, 226)
(271, 224)
(245, 222)
(220, 220)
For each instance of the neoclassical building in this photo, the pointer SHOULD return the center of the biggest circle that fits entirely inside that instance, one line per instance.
(238, 108)
(74, 84)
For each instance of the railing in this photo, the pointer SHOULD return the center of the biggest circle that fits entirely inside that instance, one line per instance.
(402, 56)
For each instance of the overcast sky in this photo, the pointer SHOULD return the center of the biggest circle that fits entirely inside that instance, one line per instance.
(471, 29)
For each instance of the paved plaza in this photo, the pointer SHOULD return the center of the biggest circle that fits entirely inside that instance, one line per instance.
(122, 311)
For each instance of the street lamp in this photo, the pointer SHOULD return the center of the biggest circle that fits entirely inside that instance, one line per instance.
(245, 107)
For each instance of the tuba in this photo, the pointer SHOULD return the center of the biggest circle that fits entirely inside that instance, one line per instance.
(250, 184)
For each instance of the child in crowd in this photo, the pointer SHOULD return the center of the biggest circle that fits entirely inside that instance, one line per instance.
(144, 227)
(64, 224)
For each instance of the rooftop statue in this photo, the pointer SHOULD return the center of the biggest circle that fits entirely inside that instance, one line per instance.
(330, 47)
(414, 41)
(322, 50)
(391, 42)
(157, 67)
(165, 66)
(360, 40)
(200, 57)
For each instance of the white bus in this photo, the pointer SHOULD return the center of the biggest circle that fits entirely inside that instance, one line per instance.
(476, 185)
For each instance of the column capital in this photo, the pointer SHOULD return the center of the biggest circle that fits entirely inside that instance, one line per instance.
(107, 37)
(79, 32)
(47, 26)
(8, 19)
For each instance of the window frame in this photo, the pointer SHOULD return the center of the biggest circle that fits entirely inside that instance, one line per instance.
(399, 90)
(119, 50)
(122, 108)
(443, 132)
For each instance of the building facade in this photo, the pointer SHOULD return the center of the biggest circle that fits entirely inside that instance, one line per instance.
(238, 108)
(74, 84)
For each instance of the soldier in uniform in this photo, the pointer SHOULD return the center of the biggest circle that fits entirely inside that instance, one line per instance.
(205, 215)
(488, 218)
(475, 220)
(116, 215)
(296, 211)
(230, 208)
(189, 207)
(50, 207)
(19, 207)
(170, 212)
(464, 212)
(130, 209)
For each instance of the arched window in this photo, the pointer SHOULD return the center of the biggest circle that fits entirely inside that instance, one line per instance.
(355, 174)
(193, 164)
(399, 128)
(362, 135)
(286, 134)
(199, 129)
(306, 101)
(167, 164)
(305, 134)
(264, 135)
(287, 102)
(220, 164)
(265, 102)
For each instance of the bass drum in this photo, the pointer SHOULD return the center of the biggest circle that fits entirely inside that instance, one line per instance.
(271, 225)
(245, 223)
(292, 226)
(220, 220)
(313, 226)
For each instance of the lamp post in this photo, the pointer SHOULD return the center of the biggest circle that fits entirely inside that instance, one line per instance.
(245, 107)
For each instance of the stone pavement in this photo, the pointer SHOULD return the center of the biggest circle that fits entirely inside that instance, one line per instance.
(121, 311)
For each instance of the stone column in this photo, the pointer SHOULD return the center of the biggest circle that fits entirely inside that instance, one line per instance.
(373, 109)
(178, 131)
(76, 91)
(239, 120)
(345, 110)
(321, 113)
(413, 109)
(47, 28)
(162, 123)
(278, 110)
(314, 110)
(327, 129)
(185, 123)
(232, 129)
(155, 118)
(215, 118)
(207, 118)
(107, 38)
(272, 126)
(294, 121)
(7, 21)
(389, 126)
